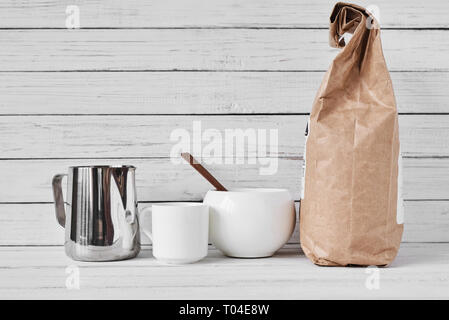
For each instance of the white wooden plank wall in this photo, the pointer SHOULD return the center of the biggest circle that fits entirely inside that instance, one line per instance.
(113, 91)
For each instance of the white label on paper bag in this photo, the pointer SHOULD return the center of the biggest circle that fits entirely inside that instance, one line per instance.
(303, 180)
(400, 208)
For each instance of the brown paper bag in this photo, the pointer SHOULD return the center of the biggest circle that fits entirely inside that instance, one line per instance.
(348, 210)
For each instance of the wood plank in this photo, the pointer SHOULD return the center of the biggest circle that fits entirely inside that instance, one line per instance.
(206, 49)
(160, 180)
(419, 271)
(426, 221)
(211, 13)
(195, 92)
(149, 136)
(35, 223)
(156, 179)
(146, 136)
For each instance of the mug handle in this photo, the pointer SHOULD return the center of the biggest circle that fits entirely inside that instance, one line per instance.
(59, 198)
(142, 214)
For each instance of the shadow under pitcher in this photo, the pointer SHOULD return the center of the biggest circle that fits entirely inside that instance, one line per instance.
(100, 215)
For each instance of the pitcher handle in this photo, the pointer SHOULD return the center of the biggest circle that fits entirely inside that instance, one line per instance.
(142, 214)
(59, 198)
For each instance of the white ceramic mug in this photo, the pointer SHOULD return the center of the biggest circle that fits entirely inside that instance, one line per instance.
(179, 231)
(250, 223)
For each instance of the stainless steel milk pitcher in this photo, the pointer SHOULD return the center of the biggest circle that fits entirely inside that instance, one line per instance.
(100, 214)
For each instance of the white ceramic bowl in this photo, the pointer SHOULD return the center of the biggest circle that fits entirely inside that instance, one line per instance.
(250, 223)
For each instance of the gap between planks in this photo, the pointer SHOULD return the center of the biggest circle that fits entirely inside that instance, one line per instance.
(193, 114)
(213, 28)
(216, 70)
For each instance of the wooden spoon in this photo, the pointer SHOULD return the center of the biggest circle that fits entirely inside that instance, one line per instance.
(202, 171)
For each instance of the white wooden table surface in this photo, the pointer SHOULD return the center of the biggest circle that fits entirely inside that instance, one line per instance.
(419, 271)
